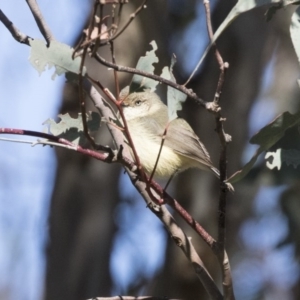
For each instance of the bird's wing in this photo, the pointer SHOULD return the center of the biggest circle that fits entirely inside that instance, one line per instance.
(185, 142)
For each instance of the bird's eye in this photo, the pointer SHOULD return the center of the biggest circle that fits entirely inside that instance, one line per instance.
(138, 102)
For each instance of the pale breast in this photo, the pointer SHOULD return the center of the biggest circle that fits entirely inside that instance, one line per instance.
(147, 145)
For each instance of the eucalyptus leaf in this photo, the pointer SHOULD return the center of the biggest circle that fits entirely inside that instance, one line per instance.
(175, 98)
(266, 138)
(145, 63)
(57, 55)
(71, 129)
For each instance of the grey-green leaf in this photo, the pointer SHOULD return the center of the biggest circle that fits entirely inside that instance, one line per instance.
(57, 55)
(145, 63)
(71, 129)
(175, 98)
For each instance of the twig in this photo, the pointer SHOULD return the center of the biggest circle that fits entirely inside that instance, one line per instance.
(207, 238)
(108, 114)
(159, 152)
(49, 143)
(117, 135)
(80, 81)
(15, 32)
(38, 142)
(120, 13)
(224, 139)
(210, 31)
(126, 131)
(112, 50)
(131, 18)
(16, 141)
(179, 238)
(105, 157)
(175, 85)
(82, 103)
(92, 24)
(40, 21)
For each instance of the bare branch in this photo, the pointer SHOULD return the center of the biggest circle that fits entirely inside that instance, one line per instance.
(221, 252)
(125, 127)
(179, 237)
(105, 157)
(175, 85)
(211, 33)
(207, 238)
(159, 152)
(108, 113)
(15, 32)
(112, 50)
(131, 18)
(82, 104)
(40, 21)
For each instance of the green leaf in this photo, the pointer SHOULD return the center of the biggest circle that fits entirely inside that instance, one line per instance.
(266, 138)
(175, 97)
(145, 63)
(57, 55)
(71, 129)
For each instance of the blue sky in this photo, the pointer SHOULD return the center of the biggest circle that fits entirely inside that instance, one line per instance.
(26, 178)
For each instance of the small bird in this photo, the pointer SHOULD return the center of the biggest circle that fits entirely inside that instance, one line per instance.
(147, 120)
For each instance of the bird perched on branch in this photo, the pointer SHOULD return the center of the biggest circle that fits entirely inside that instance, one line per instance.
(147, 120)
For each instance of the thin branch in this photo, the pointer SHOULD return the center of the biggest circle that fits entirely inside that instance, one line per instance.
(207, 238)
(108, 114)
(15, 32)
(43, 142)
(126, 131)
(82, 102)
(175, 85)
(112, 50)
(210, 45)
(123, 155)
(224, 139)
(179, 237)
(105, 157)
(16, 141)
(131, 18)
(159, 152)
(40, 21)
(49, 143)
(227, 278)
(211, 33)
